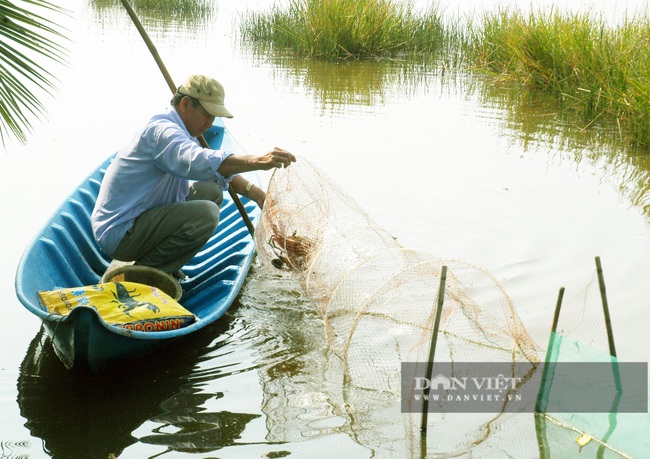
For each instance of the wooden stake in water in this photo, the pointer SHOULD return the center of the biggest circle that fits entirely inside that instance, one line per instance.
(432, 349)
(603, 297)
(613, 422)
(542, 394)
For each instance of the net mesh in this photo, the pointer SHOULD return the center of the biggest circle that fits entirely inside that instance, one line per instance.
(377, 301)
(376, 298)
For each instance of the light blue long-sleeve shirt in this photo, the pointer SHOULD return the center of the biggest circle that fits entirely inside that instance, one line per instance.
(154, 169)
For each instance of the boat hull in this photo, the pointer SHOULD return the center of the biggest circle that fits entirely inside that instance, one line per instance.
(83, 341)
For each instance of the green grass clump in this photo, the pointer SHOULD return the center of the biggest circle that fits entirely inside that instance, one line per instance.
(341, 29)
(600, 71)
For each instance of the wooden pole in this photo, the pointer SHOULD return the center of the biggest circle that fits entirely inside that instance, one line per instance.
(542, 395)
(172, 87)
(603, 297)
(432, 348)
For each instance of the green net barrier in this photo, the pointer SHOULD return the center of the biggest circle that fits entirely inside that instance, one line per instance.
(581, 372)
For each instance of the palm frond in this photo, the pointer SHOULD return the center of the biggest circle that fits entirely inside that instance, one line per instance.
(25, 38)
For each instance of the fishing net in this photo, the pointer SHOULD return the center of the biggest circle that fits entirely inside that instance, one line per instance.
(377, 300)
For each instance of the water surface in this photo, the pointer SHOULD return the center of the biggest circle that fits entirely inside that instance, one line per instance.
(444, 162)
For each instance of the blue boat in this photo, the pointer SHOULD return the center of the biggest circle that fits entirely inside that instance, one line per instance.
(65, 255)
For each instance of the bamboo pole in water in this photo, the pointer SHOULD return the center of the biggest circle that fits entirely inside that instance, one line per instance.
(603, 297)
(542, 395)
(432, 351)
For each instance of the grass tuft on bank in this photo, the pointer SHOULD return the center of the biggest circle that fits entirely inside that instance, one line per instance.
(344, 29)
(598, 70)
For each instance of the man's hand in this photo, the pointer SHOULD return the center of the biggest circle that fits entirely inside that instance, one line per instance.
(236, 164)
(276, 158)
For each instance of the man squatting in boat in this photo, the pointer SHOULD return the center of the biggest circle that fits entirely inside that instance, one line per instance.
(159, 201)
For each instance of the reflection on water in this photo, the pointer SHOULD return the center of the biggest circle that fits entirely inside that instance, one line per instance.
(535, 117)
(633, 171)
(86, 415)
(162, 16)
(162, 12)
(336, 86)
(79, 415)
(184, 429)
(293, 359)
(533, 120)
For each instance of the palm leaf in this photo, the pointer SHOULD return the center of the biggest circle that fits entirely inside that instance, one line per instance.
(25, 39)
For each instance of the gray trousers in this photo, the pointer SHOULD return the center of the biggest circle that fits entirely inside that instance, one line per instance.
(169, 236)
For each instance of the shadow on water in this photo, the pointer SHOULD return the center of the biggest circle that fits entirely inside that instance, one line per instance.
(93, 415)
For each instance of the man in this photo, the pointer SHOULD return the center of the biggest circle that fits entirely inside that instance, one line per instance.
(159, 201)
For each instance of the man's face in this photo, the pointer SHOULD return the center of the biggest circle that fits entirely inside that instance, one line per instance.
(196, 119)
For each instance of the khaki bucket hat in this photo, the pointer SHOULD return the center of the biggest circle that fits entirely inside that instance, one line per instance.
(209, 92)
